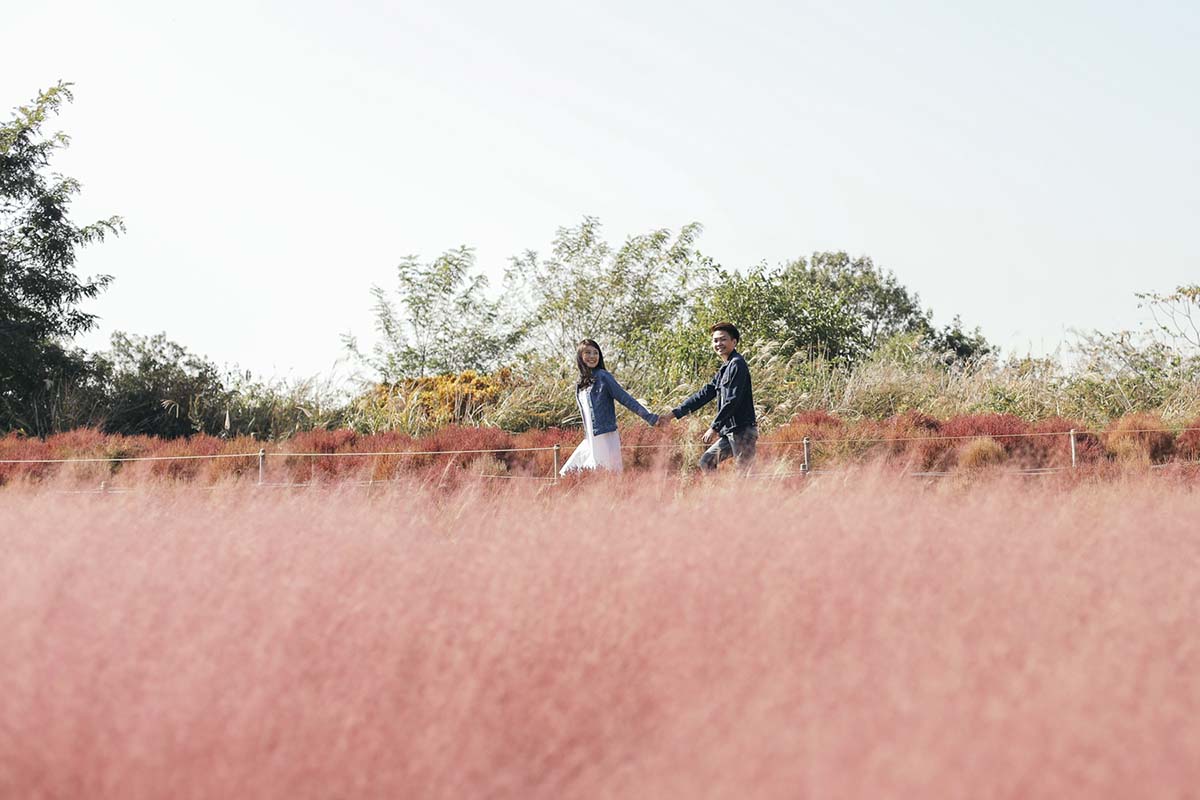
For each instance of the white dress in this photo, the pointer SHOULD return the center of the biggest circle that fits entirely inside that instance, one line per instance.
(594, 452)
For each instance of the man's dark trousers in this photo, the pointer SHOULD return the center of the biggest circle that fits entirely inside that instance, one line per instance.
(741, 443)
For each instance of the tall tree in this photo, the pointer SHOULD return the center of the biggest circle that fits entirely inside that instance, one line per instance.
(624, 297)
(788, 310)
(40, 292)
(882, 305)
(440, 321)
(156, 387)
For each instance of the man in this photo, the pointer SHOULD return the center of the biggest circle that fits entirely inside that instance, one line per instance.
(734, 432)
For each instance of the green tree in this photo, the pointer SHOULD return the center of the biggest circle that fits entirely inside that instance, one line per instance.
(39, 290)
(788, 310)
(442, 321)
(956, 346)
(885, 308)
(876, 298)
(155, 387)
(626, 298)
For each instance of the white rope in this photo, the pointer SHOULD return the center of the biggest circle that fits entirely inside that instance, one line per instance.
(517, 477)
(802, 473)
(414, 452)
(665, 445)
(817, 440)
(276, 453)
(121, 458)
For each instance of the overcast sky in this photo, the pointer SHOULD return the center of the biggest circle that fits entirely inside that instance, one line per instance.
(1027, 165)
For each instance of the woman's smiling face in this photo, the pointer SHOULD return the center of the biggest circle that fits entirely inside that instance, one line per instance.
(590, 356)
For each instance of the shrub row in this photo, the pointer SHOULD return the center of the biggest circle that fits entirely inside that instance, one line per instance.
(912, 440)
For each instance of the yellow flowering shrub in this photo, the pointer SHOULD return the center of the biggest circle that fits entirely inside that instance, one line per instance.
(424, 404)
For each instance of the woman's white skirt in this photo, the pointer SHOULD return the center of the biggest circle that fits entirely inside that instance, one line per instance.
(596, 452)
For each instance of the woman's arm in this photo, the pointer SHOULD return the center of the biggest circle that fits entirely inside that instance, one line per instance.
(626, 399)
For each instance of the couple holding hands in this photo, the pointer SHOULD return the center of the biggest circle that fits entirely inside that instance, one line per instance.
(733, 432)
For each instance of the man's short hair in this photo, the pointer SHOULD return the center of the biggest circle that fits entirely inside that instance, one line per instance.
(729, 328)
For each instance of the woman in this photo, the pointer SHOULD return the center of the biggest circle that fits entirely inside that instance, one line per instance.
(595, 392)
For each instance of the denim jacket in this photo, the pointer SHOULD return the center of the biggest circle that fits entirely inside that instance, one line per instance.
(734, 395)
(601, 393)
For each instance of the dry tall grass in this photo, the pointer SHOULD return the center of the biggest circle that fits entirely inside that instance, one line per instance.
(851, 636)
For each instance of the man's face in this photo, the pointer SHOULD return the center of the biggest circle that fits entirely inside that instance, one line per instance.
(722, 343)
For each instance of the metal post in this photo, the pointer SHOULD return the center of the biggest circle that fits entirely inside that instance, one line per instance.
(1073, 460)
(262, 463)
(556, 448)
(805, 466)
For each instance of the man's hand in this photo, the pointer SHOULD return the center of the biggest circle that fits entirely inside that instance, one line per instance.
(665, 419)
(709, 435)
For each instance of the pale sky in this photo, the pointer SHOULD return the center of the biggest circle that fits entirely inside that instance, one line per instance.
(1027, 165)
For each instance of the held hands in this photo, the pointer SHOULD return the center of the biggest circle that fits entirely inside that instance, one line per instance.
(665, 419)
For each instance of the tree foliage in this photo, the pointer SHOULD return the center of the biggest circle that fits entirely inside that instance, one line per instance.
(787, 308)
(880, 304)
(154, 386)
(956, 346)
(650, 302)
(442, 320)
(625, 297)
(1176, 315)
(40, 292)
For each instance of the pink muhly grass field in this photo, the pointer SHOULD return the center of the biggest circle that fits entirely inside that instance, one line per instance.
(858, 635)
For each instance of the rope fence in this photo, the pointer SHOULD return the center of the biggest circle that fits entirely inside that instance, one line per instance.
(805, 466)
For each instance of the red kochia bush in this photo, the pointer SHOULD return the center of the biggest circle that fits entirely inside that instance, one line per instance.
(18, 447)
(327, 466)
(816, 424)
(1002, 428)
(540, 463)
(1050, 450)
(458, 438)
(912, 440)
(1187, 444)
(1140, 438)
(646, 447)
(91, 442)
(384, 468)
(324, 441)
(180, 469)
(912, 437)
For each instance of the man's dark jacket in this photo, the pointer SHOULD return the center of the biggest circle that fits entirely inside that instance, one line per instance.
(734, 395)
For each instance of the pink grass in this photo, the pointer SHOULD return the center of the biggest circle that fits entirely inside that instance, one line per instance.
(853, 636)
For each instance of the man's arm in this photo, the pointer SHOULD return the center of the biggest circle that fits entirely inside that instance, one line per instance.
(698, 400)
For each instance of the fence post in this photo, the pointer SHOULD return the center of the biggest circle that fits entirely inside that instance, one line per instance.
(1073, 448)
(556, 448)
(805, 467)
(262, 461)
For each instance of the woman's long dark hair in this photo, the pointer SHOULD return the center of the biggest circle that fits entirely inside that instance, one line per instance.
(586, 378)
